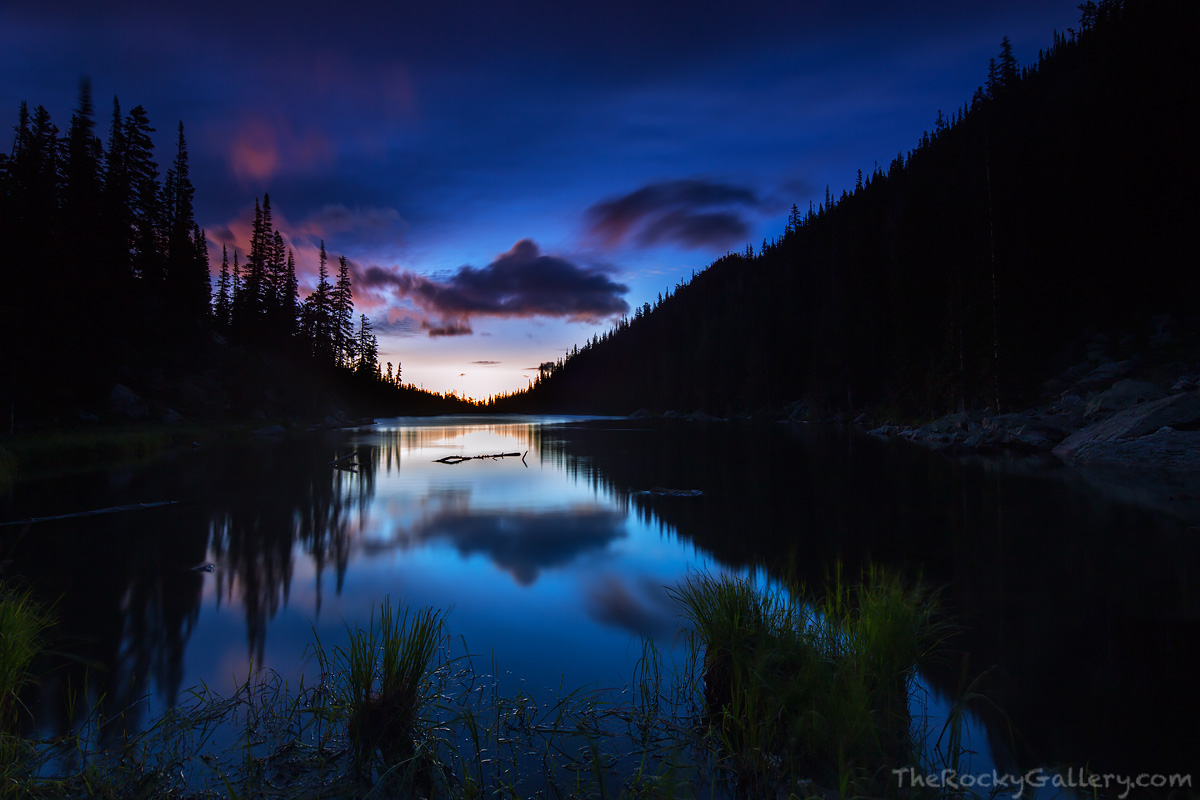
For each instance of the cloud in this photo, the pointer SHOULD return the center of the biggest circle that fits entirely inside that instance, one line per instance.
(447, 328)
(372, 223)
(261, 148)
(486, 363)
(401, 325)
(519, 283)
(693, 213)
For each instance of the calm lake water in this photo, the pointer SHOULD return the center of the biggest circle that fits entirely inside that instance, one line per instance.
(1082, 607)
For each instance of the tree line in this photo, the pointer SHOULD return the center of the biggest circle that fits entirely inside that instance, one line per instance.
(106, 280)
(964, 273)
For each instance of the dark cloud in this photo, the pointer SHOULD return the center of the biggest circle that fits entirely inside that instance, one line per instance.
(691, 213)
(447, 328)
(520, 283)
(404, 326)
(486, 363)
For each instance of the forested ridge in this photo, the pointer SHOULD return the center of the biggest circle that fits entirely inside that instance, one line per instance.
(1053, 205)
(108, 310)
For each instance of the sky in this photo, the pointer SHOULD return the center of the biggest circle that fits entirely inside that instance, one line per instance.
(508, 178)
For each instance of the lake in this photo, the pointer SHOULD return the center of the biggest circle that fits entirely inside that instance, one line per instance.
(1078, 603)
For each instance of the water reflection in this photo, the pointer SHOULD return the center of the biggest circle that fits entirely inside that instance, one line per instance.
(555, 564)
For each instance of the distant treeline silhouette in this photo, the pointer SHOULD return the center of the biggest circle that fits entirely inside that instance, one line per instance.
(1053, 205)
(106, 281)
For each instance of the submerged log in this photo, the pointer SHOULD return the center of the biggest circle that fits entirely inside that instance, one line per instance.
(111, 510)
(659, 491)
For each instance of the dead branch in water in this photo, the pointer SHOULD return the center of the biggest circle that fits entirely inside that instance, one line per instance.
(337, 463)
(493, 456)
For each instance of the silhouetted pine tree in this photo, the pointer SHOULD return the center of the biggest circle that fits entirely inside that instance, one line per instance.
(143, 200)
(344, 345)
(223, 303)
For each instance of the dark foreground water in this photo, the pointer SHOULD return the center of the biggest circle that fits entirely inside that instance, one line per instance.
(1080, 607)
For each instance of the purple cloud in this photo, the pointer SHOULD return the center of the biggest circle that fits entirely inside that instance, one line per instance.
(693, 213)
(519, 283)
(448, 328)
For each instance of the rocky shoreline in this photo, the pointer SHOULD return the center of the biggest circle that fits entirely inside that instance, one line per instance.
(1131, 424)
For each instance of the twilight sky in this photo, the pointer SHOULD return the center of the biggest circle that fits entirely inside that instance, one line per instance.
(507, 177)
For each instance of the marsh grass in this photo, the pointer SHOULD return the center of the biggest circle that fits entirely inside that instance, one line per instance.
(810, 687)
(380, 682)
(772, 697)
(23, 625)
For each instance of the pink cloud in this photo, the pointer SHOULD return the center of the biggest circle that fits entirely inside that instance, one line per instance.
(261, 147)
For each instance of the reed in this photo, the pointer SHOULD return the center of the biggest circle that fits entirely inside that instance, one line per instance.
(23, 624)
(382, 685)
(799, 687)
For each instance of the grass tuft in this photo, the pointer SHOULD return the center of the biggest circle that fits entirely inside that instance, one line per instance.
(383, 687)
(813, 688)
(22, 627)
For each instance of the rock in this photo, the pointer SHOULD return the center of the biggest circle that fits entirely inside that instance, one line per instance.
(641, 413)
(86, 417)
(1186, 383)
(1165, 450)
(670, 413)
(1105, 441)
(125, 403)
(172, 417)
(1124, 394)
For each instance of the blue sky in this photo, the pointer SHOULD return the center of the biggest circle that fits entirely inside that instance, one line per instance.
(515, 173)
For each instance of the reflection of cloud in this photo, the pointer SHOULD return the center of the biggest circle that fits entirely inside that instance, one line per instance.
(519, 283)
(643, 608)
(693, 213)
(524, 543)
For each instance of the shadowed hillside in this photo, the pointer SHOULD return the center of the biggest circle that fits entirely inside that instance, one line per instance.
(1052, 206)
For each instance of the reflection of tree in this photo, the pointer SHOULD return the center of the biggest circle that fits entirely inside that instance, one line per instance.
(289, 497)
(123, 586)
(1073, 596)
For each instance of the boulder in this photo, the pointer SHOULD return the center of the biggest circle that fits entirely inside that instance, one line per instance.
(1124, 394)
(1105, 441)
(125, 403)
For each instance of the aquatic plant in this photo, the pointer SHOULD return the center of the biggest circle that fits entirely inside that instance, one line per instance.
(23, 624)
(799, 687)
(382, 683)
